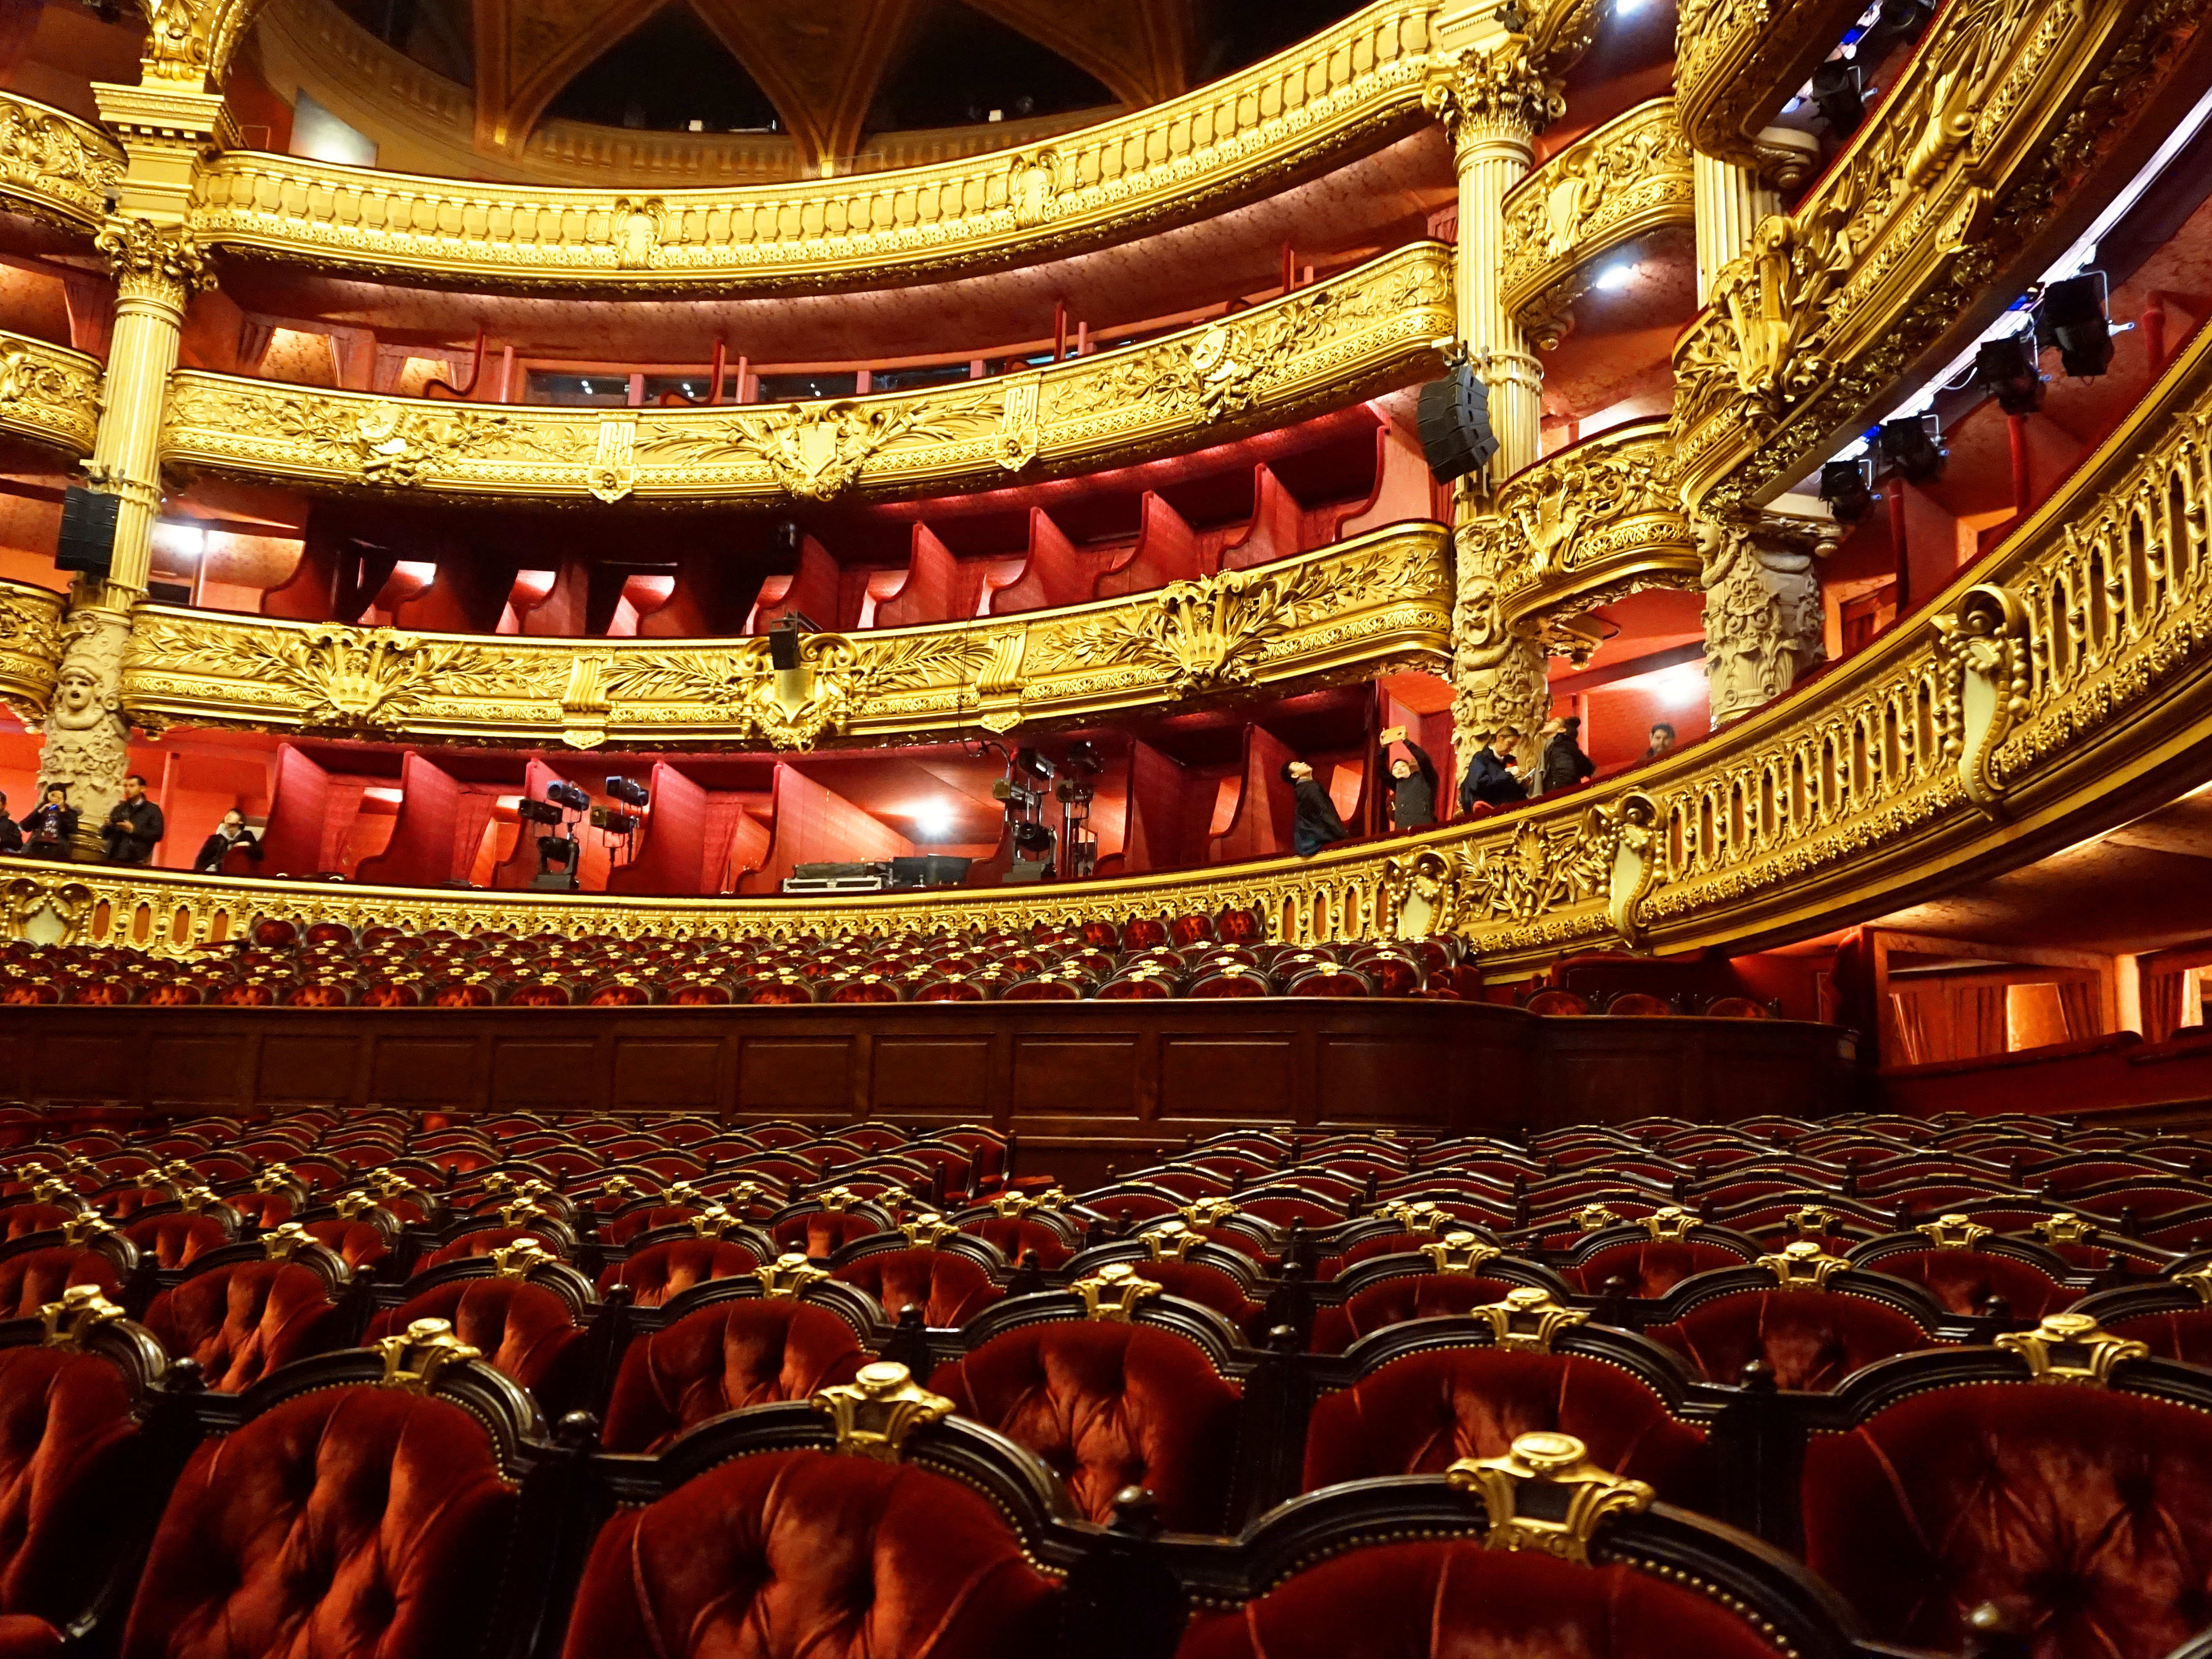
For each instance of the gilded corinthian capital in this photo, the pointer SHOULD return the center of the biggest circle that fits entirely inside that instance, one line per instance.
(153, 263)
(1494, 90)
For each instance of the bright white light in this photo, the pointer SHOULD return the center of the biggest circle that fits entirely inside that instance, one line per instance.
(1614, 278)
(1627, 7)
(932, 819)
(1683, 685)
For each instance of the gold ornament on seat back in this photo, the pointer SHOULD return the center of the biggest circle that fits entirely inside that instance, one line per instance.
(1528, 1319)
(82, 1310)
(875, 1412)
(413, 1358)
(2072, 1348)
(1113, 1292)
(1506, 1483)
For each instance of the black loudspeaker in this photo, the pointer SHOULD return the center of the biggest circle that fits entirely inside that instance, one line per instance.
(1455, 423)
(88, 538)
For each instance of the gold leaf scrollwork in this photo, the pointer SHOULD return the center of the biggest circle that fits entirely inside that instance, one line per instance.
(1226, 371)
(345, 678)
(414, 1358)
(1594, 1494)
(1983, 649)
(2071, 1348)
(873, 1414)
(56, 160)
(815, 451)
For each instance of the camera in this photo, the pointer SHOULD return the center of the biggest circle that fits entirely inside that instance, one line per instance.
(569, 795)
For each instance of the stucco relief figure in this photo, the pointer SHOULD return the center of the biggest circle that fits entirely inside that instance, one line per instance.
(1566, 206)
(1763, 619)
(87, 738)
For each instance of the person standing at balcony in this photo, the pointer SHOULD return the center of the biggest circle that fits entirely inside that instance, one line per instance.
(134, 826)
(1412, 783)
(11, 833)
(231, 833)
(52, 826)
(1489, 779)
(1663, 741)
(1563, 765)
(1317, 824)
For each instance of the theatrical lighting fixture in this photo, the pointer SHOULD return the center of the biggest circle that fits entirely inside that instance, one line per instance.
(1077, 787)
(614, 823)
(1896, 22)
(1912, 449)
(2007, 368)
(558, 858)
(1836, 92)
(1028, 761)
(783, 634)
(628, 791)
(2071, 316)
(569, 795)
(538, 811)
(1845, 487)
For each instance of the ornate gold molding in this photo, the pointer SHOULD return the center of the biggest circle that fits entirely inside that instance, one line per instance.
(54, 165)
(1367, 330)
(1380, 601)
(1627, 179)
(30, 645)
(49, 394)
(2002, 107)
(1737, 62)
(1352, 85)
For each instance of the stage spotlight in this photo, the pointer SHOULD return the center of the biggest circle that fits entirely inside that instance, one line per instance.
(2008, 369)
(569, 795)
(628, 791)
(1837, 94)
(2071, 316)
(1083, 760)
(1845, 487)
(1912, 449)
(1028, 761)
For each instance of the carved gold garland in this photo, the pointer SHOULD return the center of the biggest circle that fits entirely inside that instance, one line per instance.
(1380, 601)
(2002, 107)
(1356, 84)
(1367, 330)
(48, 394)
(54, 166)
(30, 646)
(2070, 663)
(1626, 179)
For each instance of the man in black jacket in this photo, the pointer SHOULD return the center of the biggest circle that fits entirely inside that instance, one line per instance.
(1564, 764)
(232, 833)
(134, 826)
(1412, 799)
(11, 833)
(1489, 779)
(1317, 824)
(51, 827)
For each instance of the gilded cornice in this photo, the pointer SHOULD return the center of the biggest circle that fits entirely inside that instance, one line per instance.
(48, 394)
(1367, 330)
(54, 165)
(2002, 106)
(1250, 134)
(30, 645)
(1627, 179)
(1737, 62)
(1379, 602)
(2068, 668)
(1584, 526)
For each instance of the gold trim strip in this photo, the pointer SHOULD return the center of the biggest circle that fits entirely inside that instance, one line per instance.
(1831, 802)
(49, 393)
(1951, 174)
(30, 646)
(54, 166)
(1376, 603)
(1621, 182)
(1252, 133)
(1367, 330)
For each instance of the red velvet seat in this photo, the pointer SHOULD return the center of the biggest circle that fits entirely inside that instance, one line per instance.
(1810, 1339)
(349, 1521)
(743, 1352)
(1394, 1301)
(30, 1281)
(176, 1241)
(358, 1245)
(621, 1229)
(823, 1233)
(1455, 1599)
(660, 1270)
(1962, 1280)
(2185, 1334)
(484, 1242)
(523, 1330)
(795, 1553)
(1108, 1405)
(1651, 1269)
(2091, 1508)
(950, 1290)
(17, 1220)
(71, 1460)
(1419, 1413)
(1016, 1236)
(1208, 1286)
(239, 1323)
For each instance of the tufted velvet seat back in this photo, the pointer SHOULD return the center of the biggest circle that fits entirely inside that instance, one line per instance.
(2186, 1335)
(1652, 1268)
(1109, 1406)
(358, 1243)
(176, 1241)
(483, 1242)
(805, 1555)
(735, 1354)
(1964, 1280)
(660, 1270)
(30, 1281)
(18, 1220)
(1450, 1598)
(1013, 1235)
(238, 1324)
(1392, 1302)
(621, 1229)
(2092, 1509)
(348, 1524)
(821, 1233)
(1420, 1414)
(70, 1459)
(1810, 1339)
(522, 1330)
(950, 1290)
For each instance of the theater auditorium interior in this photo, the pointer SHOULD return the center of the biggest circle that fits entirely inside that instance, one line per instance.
(1109, 829)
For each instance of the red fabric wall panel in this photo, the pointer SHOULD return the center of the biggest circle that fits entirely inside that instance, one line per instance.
(298, 803)
(813, 590)
(1277, 530)
(1056, 574)
(1170, 808)
(932, 580)
(813, 825)
(1166, 551)
(522, 863)
(421, 851)
(1261, 828)
(673, 855)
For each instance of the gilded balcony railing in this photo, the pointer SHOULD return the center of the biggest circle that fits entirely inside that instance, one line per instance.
(54, 165)
(2067, 668)
(1895, 258)
(1737, 62)
(1380, 602)
(48, 394)
(1355, 84)
(1364, 331)
(30, 647)
(1618, 184)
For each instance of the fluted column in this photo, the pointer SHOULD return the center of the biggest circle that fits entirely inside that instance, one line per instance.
(1730, 202)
